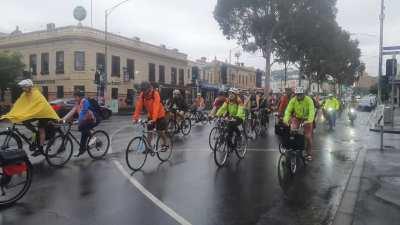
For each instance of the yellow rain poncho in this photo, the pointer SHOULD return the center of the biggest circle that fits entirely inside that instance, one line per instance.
(30, 106)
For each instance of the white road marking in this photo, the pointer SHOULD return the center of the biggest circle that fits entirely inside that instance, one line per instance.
(143, 190)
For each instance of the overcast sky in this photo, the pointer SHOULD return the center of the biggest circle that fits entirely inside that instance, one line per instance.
(189, 25)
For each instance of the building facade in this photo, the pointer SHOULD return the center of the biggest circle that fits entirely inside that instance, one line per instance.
(61, 60)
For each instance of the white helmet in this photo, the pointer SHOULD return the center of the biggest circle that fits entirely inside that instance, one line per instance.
(330, 95)
(176, 92)
(26, 83)
(234, 91)
(299, 90)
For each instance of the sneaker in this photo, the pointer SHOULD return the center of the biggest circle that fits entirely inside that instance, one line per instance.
(92, 141)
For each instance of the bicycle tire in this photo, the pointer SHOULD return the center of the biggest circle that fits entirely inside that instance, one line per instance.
(8, 134)
(98, 144)
(140, 150)
(160, 153)
(172, 127)
(212, 138)
(282, 150)
(188, 126)
(27, 185)
(292, 163)
(242, 148)
(221, 146)
(65, 140)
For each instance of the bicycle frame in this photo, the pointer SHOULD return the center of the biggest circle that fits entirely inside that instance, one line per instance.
(15, 130)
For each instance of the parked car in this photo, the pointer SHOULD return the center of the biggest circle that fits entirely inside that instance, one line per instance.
(366, 104)
(63, 106)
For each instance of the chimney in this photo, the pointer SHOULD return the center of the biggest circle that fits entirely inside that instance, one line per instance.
(51, 27)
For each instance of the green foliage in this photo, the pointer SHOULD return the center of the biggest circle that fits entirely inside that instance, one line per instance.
(11, 67)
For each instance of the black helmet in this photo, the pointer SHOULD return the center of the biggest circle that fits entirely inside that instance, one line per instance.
(79, 93)
(145, 86)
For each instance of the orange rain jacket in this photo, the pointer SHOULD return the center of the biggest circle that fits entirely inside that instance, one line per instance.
(152, 105)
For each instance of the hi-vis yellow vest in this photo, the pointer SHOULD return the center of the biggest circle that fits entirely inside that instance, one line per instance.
(30, 106)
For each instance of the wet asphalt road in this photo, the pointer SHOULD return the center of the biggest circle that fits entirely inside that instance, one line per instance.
(191, 187)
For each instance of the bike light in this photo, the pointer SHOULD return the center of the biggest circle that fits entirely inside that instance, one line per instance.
(330, 110)
(352, 110)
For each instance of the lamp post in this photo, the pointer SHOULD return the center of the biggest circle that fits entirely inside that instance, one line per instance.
(107, 12)
(381, 18)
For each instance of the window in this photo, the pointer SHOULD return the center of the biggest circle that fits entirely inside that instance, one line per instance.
(79, 88)
(130, 66)
(181, 77)
(161, 75)
(79, 61)
(45, 63)
(100, 61)
(173, 75)
(33, 64)
(188, 74)
(114, 93)
(115, 66)
(152, 72)
(60, 91)
(59, 62)
(45, 92)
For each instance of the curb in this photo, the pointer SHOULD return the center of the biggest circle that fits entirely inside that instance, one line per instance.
(385, 131)
(345, 212)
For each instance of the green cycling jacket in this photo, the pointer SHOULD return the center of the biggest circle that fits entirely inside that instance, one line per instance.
(303, 109)
(331, 103)
(233, 110)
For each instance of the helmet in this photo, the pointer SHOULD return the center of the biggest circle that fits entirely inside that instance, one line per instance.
(299, 90)
(26, 83)
(145, 86)
(198, 94)
(330, 95)
(79, 93)
(234, 91)
(176, 92)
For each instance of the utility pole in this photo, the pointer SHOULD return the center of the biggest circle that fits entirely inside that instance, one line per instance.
(91, 13)
(381, 18)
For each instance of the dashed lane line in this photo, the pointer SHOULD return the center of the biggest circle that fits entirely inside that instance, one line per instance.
(143, 190)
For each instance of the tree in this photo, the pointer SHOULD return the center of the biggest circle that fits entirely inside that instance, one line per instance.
(11, 67)
(252, 23)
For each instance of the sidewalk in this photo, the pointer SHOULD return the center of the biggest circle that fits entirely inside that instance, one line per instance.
(378, 201)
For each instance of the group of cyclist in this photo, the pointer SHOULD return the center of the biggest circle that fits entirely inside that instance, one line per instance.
(294, 109)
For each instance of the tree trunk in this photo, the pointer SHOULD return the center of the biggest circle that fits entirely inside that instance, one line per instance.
(285, 74)
(267, 51)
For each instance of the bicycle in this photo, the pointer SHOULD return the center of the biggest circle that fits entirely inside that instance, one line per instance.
(97, 145)
(253, 125)
(140, 146)
(13, 138)
(184, 126)
(214, 133)
(225, 145)
(292, 147)
(198, 117)
(16, 173)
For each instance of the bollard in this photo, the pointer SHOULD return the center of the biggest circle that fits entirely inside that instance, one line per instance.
(381, 138)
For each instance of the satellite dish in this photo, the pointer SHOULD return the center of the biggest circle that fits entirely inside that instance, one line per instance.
(79, 13)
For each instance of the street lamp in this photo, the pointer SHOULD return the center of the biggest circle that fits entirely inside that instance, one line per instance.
(107, 12)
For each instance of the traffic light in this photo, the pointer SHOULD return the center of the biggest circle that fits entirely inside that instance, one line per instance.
(391, 69)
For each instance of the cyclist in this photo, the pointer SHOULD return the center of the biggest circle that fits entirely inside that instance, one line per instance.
(150, 100)
(199, 103)
(32, 106)
(265, 109)
(218, 102)
(88, 118)
(284, 101)
(301, 110)
(331, 103)
(178, 105)
(233, 108)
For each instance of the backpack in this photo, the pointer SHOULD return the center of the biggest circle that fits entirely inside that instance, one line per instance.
(95, 107)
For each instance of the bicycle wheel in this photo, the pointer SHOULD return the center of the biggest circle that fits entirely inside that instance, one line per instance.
(257, 128)
(212, 138)
(59, 150)
(98, 144)
(221, 150)
(9, 141)
(203, 118)
(164, 150)
(136, 153)
(282, 150)
(186, 126)
(241, 148)
(172, 127)
(14, 187)
(292, 163)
